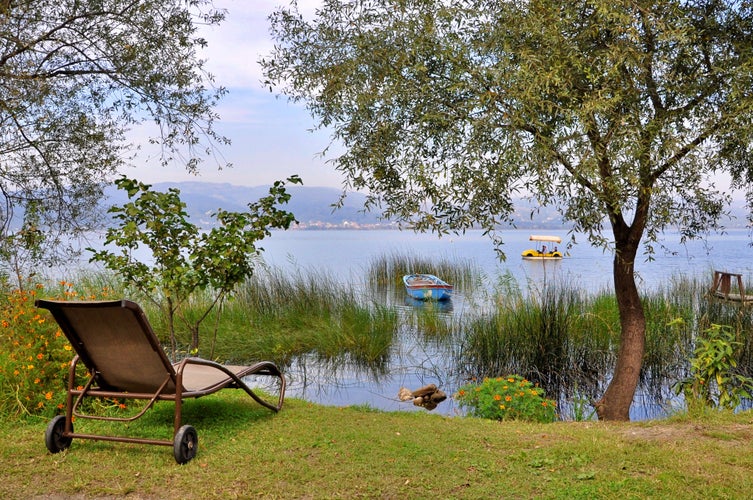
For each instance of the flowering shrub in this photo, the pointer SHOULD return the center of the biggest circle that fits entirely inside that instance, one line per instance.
(34, 354)
(507, 398)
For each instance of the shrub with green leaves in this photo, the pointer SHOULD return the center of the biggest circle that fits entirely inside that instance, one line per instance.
(507, 398)
(713, 382)
(184, 259)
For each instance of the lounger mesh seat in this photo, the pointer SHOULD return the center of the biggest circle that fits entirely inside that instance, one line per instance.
(125, 360)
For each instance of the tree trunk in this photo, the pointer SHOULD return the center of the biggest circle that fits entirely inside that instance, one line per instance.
(616, 402)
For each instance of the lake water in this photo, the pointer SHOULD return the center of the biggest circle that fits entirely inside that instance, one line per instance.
(347, 253)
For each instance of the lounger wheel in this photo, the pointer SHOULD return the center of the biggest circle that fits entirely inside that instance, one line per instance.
(53, 436)
(185, 444)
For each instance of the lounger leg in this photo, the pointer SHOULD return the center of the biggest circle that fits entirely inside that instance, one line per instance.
(178, 403)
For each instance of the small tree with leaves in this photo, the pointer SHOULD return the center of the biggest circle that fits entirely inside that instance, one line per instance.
(186, 260)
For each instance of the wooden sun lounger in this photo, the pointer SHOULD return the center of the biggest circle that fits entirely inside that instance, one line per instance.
(115, 342)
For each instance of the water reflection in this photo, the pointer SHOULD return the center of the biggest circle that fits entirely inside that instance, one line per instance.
(444, 306)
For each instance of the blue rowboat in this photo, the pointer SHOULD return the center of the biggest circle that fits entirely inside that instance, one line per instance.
(427, 287)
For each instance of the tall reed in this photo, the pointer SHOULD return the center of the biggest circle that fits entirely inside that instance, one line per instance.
(565, 339)
(671, 325)
(532, 337)
(390, 268)
(281, 316)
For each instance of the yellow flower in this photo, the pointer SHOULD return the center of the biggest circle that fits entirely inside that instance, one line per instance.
(67, 347)
(501, 407)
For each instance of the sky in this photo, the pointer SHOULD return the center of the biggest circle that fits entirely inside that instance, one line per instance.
(271, 138)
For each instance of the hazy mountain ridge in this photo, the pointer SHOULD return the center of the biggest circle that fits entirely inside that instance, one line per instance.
(313, 206)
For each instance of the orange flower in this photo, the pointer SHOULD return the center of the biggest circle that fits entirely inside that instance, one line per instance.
(508, 398)
(40, 356)
(461, 393)
(48, 395)
(497, 397)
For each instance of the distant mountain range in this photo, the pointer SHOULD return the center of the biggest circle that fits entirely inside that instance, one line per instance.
(313, 206)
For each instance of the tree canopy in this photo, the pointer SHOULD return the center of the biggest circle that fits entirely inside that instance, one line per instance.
(74, 77)
(619, 113)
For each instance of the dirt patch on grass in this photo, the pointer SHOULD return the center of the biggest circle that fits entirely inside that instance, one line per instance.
(678, 432)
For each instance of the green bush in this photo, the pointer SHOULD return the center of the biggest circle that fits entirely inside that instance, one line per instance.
(507, 398)
(713, 381)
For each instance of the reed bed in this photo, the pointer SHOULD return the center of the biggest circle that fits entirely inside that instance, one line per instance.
(567, 340)
(388, 270)
(281, 316)
(541, 337)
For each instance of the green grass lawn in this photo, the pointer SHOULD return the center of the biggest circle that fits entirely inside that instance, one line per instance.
(313, 451)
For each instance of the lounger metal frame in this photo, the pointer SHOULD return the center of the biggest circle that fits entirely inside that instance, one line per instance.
(60, 431)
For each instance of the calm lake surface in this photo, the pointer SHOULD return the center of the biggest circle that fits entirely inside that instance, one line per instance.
(346, 254)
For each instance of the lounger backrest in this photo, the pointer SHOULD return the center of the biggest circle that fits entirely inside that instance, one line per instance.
(114, 339)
